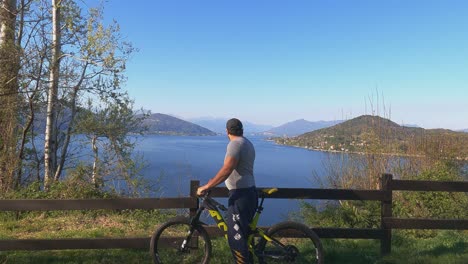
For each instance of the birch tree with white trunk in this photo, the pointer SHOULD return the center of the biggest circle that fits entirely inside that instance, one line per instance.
(50, 146)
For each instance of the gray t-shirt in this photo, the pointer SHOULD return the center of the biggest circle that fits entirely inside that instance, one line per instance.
(242, 176)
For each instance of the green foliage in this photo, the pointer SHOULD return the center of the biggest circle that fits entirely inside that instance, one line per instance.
(432, 205)
(73, 187)
(359, 214)
(353, 214)
(109, 128)
(437, 205)
(92, 65)
(366, 214)
(324, 217)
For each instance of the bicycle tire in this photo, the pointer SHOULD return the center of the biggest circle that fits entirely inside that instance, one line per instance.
(167, 240)
(303, 247)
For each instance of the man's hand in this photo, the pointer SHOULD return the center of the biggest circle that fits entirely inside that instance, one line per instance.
(201, 191)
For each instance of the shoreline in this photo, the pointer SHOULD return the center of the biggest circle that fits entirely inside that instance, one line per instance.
(361, 153)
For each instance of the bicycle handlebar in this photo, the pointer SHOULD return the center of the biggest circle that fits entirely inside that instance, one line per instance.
(207, 194)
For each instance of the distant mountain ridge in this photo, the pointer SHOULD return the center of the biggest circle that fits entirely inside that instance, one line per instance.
(168, 125)
(293, 128)
(218, 125)
(299, 127)
(373, 132)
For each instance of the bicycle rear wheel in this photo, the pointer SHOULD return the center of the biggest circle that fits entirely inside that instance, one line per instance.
(298, 244)
(166, 244)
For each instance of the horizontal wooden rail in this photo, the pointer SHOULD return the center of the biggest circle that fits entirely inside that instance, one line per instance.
(320, 194)
(428, 186)
(96, 204)
(402, 223)
(74, 243)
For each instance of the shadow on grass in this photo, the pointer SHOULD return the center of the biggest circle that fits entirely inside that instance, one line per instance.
(457, 248)
(351, 251)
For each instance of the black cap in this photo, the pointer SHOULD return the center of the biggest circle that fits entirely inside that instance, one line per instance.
(234, 127)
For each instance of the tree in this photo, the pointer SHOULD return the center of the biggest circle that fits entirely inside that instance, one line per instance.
(94, 65)
(84, 58)
(9, 65)
(92, 61)
(50, 146)
(34, 40)
(107, 126)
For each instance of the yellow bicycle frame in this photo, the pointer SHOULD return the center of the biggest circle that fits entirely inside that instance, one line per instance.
(220, 222)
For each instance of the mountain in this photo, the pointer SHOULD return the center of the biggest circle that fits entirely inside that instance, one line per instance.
(464, 130)
(169, 125)
(299, 127)
(367, 132)
(252, 128)
(218, 125)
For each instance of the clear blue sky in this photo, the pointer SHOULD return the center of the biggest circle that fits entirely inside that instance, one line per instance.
(271, 62)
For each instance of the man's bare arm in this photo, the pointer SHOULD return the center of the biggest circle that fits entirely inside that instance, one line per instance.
(229, 165)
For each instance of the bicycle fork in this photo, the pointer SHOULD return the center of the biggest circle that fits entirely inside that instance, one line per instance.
(184, 247)
(190, 241)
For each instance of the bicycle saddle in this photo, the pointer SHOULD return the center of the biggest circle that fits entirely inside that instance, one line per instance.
(269, 190)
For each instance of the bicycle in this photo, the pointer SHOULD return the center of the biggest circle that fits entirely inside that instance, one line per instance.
(185, 240)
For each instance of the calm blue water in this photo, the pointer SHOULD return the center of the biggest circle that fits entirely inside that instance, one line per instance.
(177, 160)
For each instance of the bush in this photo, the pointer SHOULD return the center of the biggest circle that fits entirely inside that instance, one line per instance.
(407, 204)
(437, 205)
(351, 214)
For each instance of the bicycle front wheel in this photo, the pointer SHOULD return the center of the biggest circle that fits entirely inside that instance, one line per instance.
(179, 242)
(291, 242)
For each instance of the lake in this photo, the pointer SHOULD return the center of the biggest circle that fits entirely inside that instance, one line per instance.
(176, 160)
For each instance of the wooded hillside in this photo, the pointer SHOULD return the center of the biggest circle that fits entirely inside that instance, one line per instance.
(373, 133)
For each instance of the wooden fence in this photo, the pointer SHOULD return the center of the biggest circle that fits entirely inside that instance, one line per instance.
(384, 195)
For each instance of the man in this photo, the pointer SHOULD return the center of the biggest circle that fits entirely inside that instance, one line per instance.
(237, 173)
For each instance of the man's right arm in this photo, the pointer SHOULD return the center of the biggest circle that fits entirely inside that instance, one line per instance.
(230, 163)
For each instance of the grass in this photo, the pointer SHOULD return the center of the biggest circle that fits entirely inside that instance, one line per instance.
(124, 223)
(445, 247)
(433, 247)
(76, 256)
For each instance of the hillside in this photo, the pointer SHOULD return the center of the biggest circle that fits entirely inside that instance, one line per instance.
(299, 127)
(169, 125)
(372, 133)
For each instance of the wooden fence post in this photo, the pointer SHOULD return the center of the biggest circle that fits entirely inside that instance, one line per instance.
(193, 193)
(386, 211)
